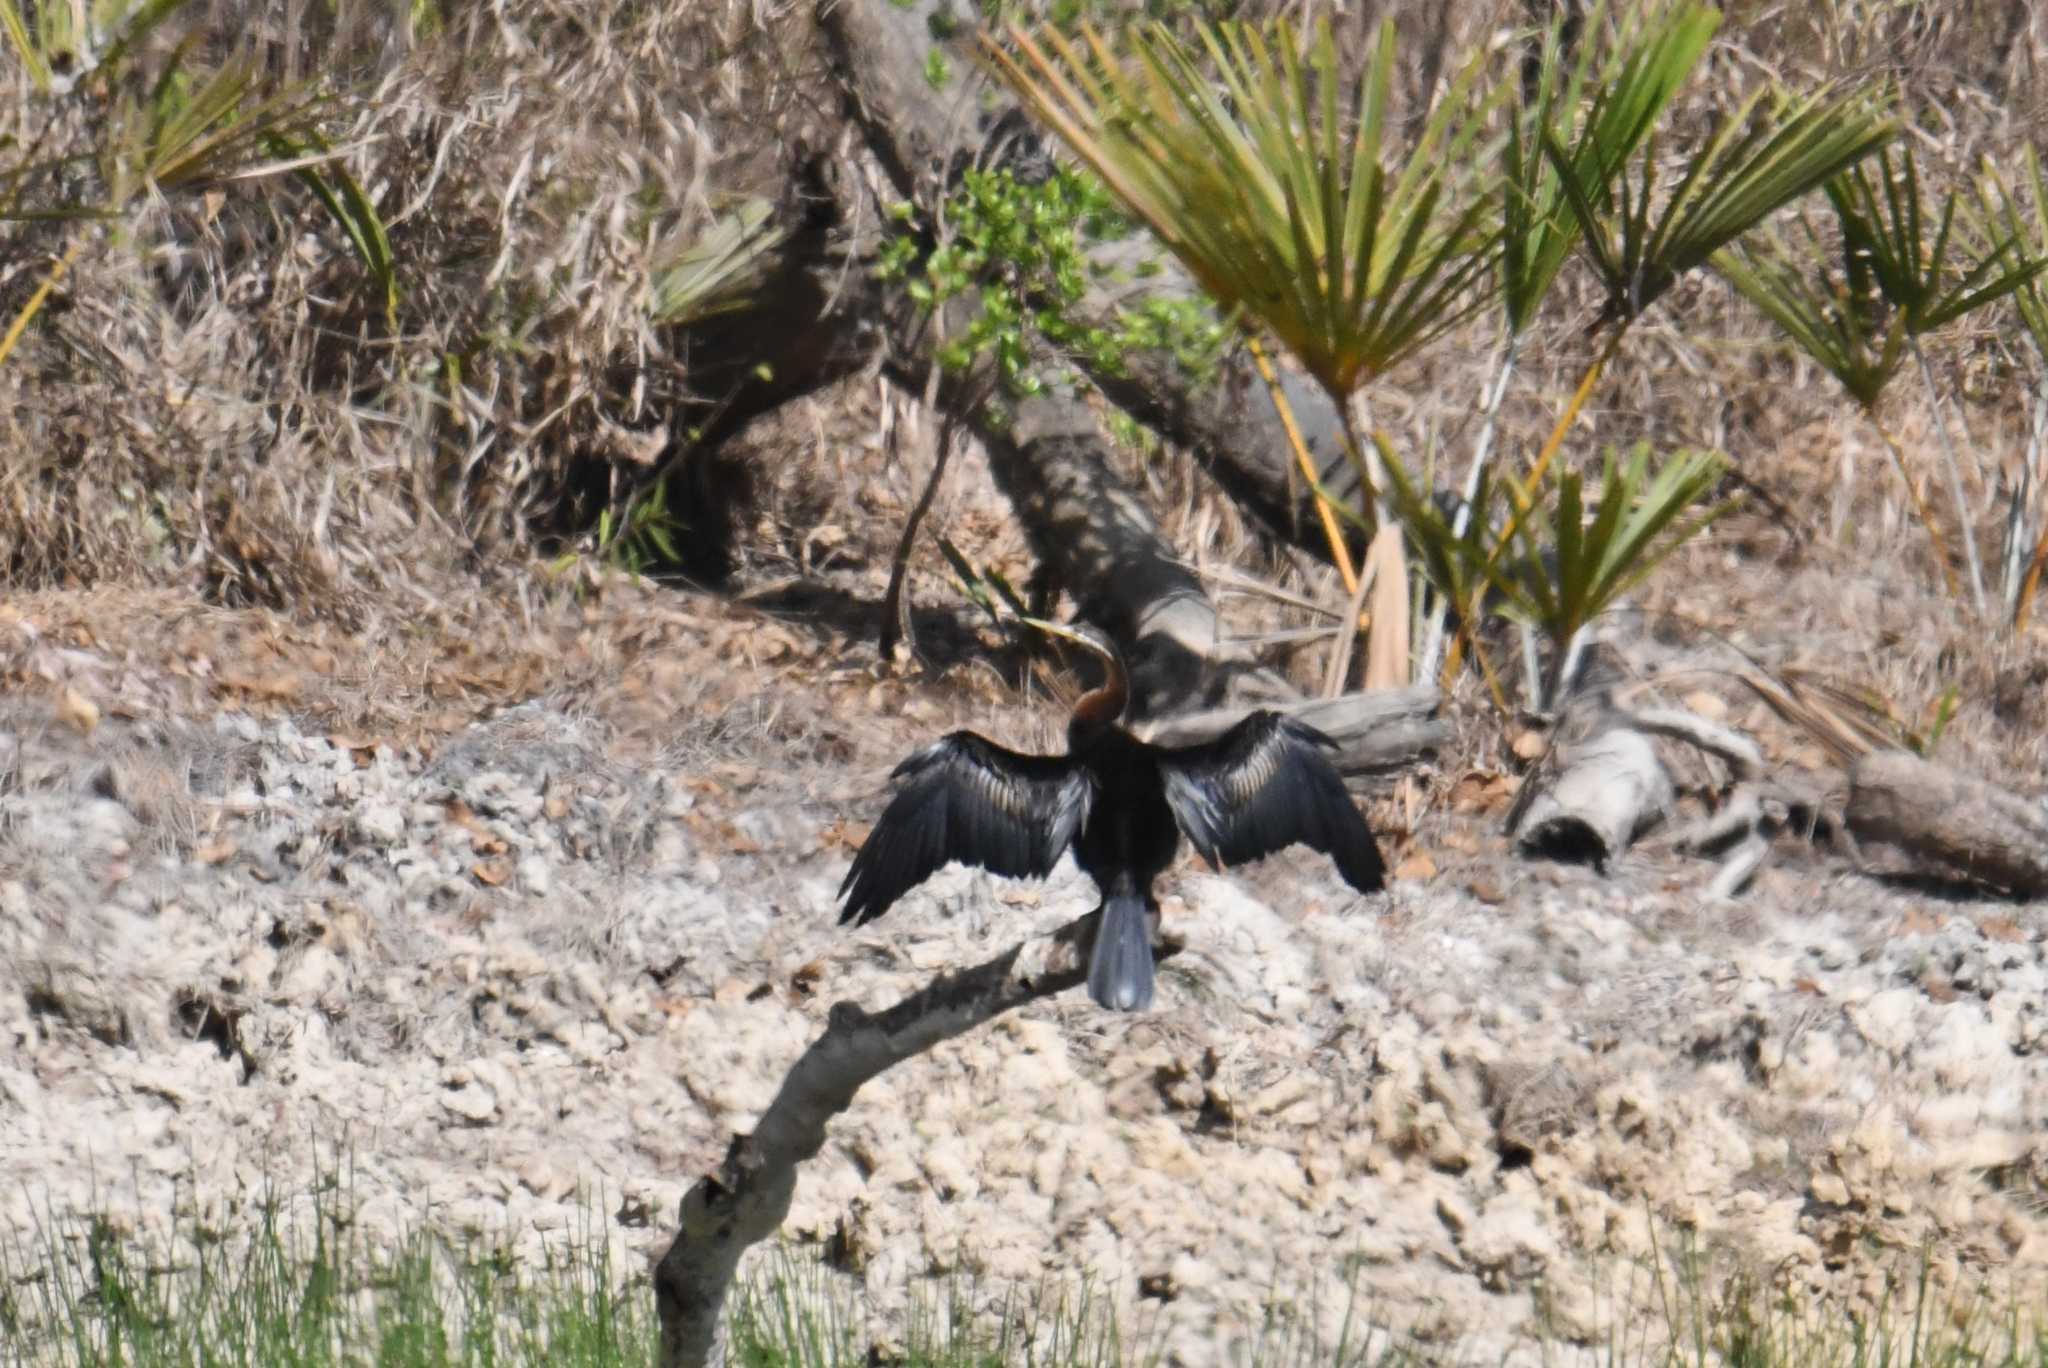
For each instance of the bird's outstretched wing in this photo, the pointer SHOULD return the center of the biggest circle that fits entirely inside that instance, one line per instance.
(965, 798)
(1264, 785)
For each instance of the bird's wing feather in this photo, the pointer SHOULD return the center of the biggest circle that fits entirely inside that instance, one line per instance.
(1264, 785)
(965, 798)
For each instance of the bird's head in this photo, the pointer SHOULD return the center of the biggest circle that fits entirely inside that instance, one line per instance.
(1103, 706)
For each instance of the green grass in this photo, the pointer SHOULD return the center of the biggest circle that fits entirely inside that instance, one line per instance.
(304, 1288)
(312, 1294)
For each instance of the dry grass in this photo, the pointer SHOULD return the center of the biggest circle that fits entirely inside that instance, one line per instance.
(215, 414)
(216, 397)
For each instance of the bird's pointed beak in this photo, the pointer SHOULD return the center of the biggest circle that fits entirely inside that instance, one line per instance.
(1056, 629)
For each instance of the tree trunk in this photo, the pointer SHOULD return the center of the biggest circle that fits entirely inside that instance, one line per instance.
(922, 136)
(1092, 531)
(1090, 528)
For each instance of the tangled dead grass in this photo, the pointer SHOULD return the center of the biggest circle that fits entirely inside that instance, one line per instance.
(217, 397)
(216, 411)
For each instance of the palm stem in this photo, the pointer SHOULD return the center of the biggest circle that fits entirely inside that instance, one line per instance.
(1492, 677)
(1532, 667)
(1365, 456)
(1481, 450)
(39, 298)
(1489, 423)
(1542, 466)
(1347, 634)
(1571, 413)
(1955, 480)
(1339, 553)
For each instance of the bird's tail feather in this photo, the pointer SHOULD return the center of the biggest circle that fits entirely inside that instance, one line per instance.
(1120, 970)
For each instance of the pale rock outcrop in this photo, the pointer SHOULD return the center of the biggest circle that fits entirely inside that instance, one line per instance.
(528, 980)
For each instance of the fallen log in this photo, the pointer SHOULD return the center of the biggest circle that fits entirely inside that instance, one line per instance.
(1375, 731)
(746, 1200)
(1607, 789)
(1954, 826)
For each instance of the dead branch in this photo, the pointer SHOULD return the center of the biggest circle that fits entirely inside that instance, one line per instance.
(1741, 815)
(747, 1199)
(1743, 755)
(1954, 825)
(1739, 866)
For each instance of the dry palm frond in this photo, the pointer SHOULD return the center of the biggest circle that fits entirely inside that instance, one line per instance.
(1845, 724)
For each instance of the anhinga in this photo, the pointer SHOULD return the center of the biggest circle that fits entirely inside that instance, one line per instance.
(1121, 804)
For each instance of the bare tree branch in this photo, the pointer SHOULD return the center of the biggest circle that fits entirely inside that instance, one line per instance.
(747, 1199)
(1743, 755)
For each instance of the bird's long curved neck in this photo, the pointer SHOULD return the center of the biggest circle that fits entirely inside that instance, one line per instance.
(1103, 706)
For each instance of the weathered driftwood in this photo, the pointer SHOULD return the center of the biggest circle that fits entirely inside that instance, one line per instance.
(747, 1199)
(1380, 730)
(1605, 790)
(1954, 826)
(1741, 815)
(1740, 832)
(1739, 866)
(1743, 755)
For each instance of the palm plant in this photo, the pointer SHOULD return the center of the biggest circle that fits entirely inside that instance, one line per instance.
(1281, 202)
(693, 277)
(1930, 289)
(1638, 77)
(175, 126)
(1896, 283)
(1450, 547)
(1641, 242)
(1566, 560)
(713, 271)
(351, 207)
(1843, 321)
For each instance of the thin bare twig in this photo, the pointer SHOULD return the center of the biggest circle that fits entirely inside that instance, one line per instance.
(896, 622)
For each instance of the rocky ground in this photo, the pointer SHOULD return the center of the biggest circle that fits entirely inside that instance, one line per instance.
(536, 964)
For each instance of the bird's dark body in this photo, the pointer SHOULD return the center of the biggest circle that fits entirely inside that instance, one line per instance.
(1130, 836)
(1121, 805)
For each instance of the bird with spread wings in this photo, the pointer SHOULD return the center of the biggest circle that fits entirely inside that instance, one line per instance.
(1121, 805)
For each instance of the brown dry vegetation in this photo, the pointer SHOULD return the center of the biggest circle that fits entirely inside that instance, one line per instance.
(216, 398)
(215, 404)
